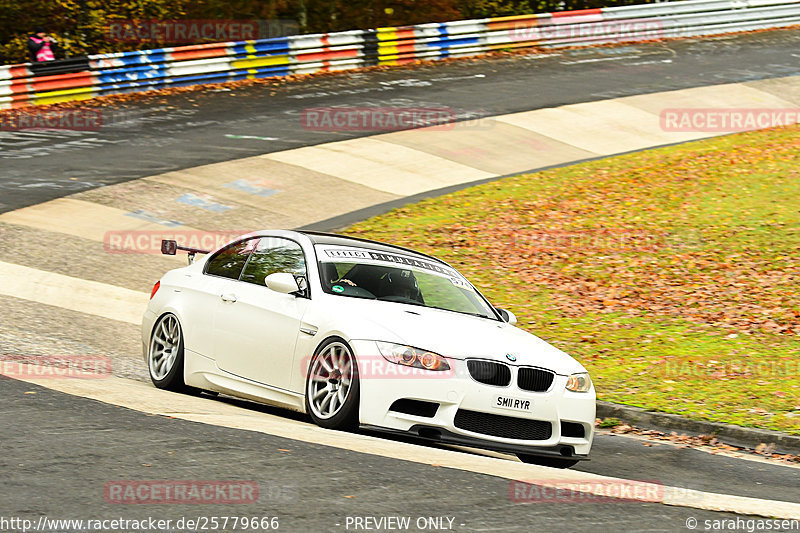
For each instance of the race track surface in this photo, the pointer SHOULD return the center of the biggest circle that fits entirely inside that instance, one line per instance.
(309, 487)
(59, 449)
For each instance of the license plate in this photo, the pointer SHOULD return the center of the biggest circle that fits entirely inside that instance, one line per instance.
(515, 404)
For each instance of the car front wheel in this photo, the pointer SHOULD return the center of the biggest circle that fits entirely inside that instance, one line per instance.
(332, 386)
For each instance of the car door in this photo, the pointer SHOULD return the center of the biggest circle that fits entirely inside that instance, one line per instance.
(203, 293)
(256, 328)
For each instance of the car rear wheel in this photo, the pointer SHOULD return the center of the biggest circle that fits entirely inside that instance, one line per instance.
(332, 386)
(165, 358)
(553, 462)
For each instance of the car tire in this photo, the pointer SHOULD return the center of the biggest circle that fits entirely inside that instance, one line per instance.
(553, 462)
(165, 355)
(332, 386)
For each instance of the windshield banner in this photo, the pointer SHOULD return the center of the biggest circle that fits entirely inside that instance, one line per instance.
(341, 254)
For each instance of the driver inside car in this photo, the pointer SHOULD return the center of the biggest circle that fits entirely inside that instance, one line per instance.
(402, 284)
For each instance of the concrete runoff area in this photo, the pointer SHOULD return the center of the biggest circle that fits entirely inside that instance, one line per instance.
(304, 185)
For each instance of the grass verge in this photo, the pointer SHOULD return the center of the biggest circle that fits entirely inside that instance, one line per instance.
(671, 274)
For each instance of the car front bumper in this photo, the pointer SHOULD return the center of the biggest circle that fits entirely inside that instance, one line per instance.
(460, 398)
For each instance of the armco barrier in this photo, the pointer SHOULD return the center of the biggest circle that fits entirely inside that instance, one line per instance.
(96, 75)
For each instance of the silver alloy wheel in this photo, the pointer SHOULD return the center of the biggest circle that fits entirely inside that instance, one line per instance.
(330, 380)
(164, 346)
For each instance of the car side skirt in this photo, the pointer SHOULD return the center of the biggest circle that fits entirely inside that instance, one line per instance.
(202, 372)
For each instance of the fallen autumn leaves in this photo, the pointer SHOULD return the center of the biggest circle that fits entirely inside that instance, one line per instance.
(670, 273)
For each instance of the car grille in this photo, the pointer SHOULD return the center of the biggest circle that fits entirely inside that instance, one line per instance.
(534, 379)
(489, 373)
(572, 429)
(507, 427)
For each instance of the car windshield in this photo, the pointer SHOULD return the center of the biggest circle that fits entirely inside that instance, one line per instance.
(396, 277)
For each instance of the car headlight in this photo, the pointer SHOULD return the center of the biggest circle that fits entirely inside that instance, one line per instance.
(579, 382)
(413, 357)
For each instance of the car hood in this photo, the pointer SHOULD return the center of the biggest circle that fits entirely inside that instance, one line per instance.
(452, 334)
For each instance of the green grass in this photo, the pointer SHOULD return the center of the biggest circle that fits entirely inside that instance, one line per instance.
(672, 274)
(609, 423)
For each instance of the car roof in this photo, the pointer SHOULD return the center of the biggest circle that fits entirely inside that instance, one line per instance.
(318, 237)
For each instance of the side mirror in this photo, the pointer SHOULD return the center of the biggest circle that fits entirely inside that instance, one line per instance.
(507, 315)
(282, 282)
(169, 247)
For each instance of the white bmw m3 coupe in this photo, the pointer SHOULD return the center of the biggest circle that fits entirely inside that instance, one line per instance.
(358, 333)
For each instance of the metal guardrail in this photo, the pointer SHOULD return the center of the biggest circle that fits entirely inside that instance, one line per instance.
(97, 75)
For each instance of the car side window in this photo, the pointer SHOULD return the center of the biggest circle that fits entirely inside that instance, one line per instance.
(229, 261)
(274, 254)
